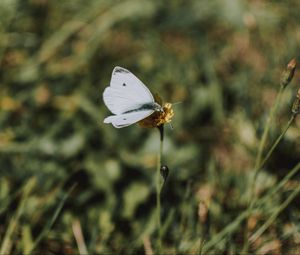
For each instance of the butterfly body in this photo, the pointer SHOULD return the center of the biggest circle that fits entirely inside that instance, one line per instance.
(147, 106)
(128, 98)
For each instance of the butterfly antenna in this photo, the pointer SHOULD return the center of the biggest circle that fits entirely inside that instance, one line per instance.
(177, 103)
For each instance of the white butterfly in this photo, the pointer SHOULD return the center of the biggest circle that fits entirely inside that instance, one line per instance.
(128, 98)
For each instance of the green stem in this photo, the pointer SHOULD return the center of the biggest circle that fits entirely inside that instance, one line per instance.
(273, 217)
(274, 145)
(233, 226)
(258, 161)
(158, 188)
(275, 189)
(230, 228)
(265, 159)
(268, 156)
(267, 128)
(252, 189)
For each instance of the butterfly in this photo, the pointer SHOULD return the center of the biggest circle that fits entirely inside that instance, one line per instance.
(128, 99)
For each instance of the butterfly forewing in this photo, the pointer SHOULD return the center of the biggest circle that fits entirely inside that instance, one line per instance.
(124, 80)
(117, 101)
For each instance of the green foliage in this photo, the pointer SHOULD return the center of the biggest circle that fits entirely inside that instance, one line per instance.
(221, 59)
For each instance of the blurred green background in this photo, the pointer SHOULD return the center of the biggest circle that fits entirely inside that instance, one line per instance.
(222, 59)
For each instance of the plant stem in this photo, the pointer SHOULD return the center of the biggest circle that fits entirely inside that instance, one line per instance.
(275, 189)
(275, 145)
(256, 171)
(158, 188)
(273, 217)
(267, 129)
(265, 159)
(230, 228)
(233, 226)
(258, 161)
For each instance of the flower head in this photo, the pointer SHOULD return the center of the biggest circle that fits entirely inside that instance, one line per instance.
(158, 118)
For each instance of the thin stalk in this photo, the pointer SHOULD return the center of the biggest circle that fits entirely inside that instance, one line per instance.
(252, 189)
(158, 188)
(265, 159)
(276, 142)
(273, 217)
(275, 189)
(267, 129)
(230, 228)
(258, 162)
(233, 226)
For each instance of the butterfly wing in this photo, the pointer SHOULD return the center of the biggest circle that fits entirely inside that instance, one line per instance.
(126, 92)
(127, 119)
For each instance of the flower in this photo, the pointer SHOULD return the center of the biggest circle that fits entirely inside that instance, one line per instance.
(158, 118)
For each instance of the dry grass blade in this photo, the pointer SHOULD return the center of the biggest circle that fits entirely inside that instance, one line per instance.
(77, 231)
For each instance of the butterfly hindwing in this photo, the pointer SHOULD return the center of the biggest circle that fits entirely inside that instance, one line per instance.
(127, 119)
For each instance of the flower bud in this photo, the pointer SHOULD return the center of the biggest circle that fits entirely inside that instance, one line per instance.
(164, 172)
(296, 104)
(288, 74)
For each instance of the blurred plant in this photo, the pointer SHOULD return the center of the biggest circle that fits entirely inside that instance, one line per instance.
(256, 205)
(215, 56)
(52, 220)
(260, 206)
(286, 77)
(7, 243)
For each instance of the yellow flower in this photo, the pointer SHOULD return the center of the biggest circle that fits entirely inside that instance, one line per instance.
(158, 118)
